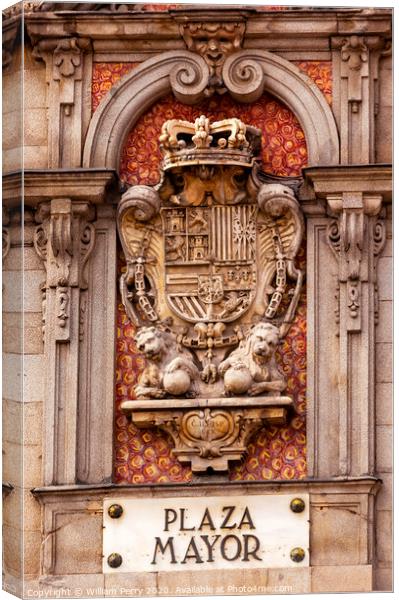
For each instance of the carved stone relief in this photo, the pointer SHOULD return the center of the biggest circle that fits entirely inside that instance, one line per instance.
(214, 42)
(64, 241)
(356, 237)
(212, 286)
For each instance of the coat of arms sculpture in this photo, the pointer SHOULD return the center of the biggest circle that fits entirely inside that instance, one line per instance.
(212, 287)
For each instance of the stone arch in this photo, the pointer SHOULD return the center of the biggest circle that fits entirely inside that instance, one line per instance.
(246, 74)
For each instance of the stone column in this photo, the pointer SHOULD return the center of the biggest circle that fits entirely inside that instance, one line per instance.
(342, 384)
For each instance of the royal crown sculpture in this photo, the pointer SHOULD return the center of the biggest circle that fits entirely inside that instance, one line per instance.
(211, 285)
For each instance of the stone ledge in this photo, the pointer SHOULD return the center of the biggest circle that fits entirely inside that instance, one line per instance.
(41, 185)
(182, 403)
(370, 179)
(344, 485)
(209, 433)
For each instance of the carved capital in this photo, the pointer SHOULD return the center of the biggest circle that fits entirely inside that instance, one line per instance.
(209, 434)
(66, 55)
(64, 240)
(356, 240)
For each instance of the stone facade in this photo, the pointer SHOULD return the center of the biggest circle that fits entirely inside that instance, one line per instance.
(99, 81)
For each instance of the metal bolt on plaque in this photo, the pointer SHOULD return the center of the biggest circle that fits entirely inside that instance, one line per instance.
(114, 560)
(297, 554)
(115, 511)
(297, 505)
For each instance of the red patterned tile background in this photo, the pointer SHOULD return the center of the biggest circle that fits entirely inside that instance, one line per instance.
(105, 75)
(321, 73)
(143, 456)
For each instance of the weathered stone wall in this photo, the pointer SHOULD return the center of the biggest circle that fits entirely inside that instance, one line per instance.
(59, 401)
(384, 415)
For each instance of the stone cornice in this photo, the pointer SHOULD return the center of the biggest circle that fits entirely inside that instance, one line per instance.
(40, 185)
(339, 484)
(156, 28)
(370, 179)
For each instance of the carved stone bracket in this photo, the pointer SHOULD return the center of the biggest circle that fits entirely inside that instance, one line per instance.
(356, 238)
(209, 433)
(64, 240)
(65, 74)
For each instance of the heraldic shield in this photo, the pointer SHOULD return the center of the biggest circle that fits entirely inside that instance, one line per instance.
(210, 261)
(210, 255)
(212, 287)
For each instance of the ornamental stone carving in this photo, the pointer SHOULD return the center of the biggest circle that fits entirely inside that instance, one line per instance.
(64, 240)
(214, 41)
(356, 237)
(212, 286)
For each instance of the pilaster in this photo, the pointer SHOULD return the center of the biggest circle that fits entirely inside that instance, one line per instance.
(76, 241)
(356, 94)
(68, 75)
(64, 240)
(354, 231)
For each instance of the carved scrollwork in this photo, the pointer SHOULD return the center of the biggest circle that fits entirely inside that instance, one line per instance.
(379, 236)
(141, 201)
(334, 236)
(189, 79)
(40, 242)
(243, 77)
(87, 242)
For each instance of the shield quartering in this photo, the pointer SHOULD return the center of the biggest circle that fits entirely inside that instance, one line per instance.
(210, 254)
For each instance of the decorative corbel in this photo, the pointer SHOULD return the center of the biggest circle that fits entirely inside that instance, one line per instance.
(356, 237)
(64, 240)
(65, 65)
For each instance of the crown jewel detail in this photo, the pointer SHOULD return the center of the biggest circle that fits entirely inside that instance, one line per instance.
(228, 142)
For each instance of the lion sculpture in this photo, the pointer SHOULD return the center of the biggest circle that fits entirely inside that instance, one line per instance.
(169, 370)
(251, 368)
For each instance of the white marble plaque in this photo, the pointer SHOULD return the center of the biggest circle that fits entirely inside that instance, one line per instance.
(214, 532)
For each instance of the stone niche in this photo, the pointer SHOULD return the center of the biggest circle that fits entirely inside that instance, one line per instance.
(212, 286)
